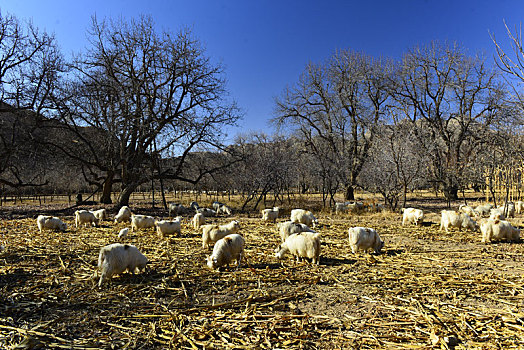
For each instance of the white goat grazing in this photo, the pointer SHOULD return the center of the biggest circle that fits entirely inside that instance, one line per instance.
(466, 209)
(85, 217)
(224, 209)
(226, 250)
(207, 212)
(412, 215)
(451, 218)
(198, 220)
(289, 227)
(484, 209)
(117, 258)
(216, 205)
(142, 222)
(270, 214)
(50, 223)
(166, 227)
(124, 215)
(363, 238)
(301, 245)
(100, 214)
(304, 217)
(123, 232)
(212, 233)
(496, 230)
(176, 209)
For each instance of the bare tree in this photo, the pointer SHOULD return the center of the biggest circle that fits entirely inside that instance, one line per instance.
(142, 93)
(29, 65)
(395, 164)
(511, 62)
(334, 108)
(268, 167)
(451, 100)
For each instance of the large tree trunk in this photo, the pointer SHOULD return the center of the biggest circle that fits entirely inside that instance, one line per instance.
(350, 193)
(123, 199)
(451, 192)
(106, 188)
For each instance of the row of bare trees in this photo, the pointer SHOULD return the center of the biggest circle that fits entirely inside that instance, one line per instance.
(140, 105)
(382, 124)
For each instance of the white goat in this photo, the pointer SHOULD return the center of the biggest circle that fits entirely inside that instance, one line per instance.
(198, 220)
(412, 215)
(100, 214)
(85, 217)
(142, 222)
(270, 214)
(301, 245)
(363, 238)
(224, 209)
(466, 209)
(124, 215)
(212, 233)
(226, 250)
(123, 232)
(451, 218)
(50, 223)
(176, 209)
(117, 258)
(304, 217)
(167, 227)
(484, 209)
(289, 227)
(496, 230)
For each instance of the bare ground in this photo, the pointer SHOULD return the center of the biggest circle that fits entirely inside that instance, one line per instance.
(428, 289)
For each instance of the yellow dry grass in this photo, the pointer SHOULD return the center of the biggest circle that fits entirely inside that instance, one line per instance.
(427, 290)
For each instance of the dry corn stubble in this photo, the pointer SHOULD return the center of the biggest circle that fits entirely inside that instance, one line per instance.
(428, 289)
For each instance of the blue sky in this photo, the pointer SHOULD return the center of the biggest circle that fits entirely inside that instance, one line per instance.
(265, 45)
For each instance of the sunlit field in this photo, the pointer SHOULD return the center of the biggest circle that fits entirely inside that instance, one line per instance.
(428, 289)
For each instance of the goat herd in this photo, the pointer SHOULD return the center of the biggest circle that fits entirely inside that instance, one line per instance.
(297, 235)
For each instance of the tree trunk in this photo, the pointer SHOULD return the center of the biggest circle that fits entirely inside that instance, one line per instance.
(404, 195)
(350, 193)
(164, 202)
(106, 189)
(451, 192)
(123, 199)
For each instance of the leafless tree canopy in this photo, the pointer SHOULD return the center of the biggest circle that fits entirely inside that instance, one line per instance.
(143, 93)
(451, 100)
(335, 108)
(29, 65)
(142, 105)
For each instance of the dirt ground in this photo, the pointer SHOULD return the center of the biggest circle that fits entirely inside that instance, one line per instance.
(428, 289)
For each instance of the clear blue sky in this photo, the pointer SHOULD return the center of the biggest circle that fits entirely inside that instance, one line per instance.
(265, 45)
